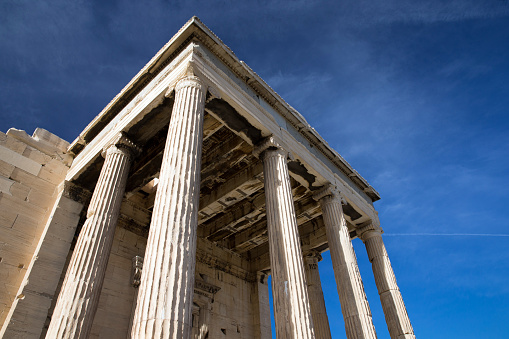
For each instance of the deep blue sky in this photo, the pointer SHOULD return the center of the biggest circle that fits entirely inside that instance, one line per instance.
(414, 94)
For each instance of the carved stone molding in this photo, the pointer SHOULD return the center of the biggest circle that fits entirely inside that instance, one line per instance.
(132, 225)
(313, 255)
(329, 190)
(214, 93)
(136, 271)
(226, 267)
(75, 192)
(204, 288)
(268, 143)
(368, 230)
(122, 142)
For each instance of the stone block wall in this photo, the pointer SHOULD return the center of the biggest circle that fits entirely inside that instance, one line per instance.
(37, 225)
(232, 309)
(227, 313)
(231, 312)
(118, 294)
(39, 214)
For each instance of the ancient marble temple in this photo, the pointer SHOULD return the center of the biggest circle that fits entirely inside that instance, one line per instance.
(168, 213)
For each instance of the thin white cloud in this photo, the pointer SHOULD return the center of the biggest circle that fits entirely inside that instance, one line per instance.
(445, 235)
(296, 89)
(369, 12)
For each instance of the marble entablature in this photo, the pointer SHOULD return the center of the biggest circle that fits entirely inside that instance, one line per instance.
(168, 213)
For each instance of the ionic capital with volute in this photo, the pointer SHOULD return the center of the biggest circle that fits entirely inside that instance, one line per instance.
(313, 255)
(121, 143)
(329, 193)
(369, 230)
(190, 78)
(269, 143)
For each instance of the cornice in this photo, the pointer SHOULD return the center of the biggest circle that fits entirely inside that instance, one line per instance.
(194, 29)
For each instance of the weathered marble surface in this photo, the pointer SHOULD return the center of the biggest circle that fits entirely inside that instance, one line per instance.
(291, 302)
(316, 298)
(354, 303)
(204, 263)
(39, 212)
(396, 315)
(165, 298)
(77, 302)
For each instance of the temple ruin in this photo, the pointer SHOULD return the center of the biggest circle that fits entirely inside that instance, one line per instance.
(168, 213)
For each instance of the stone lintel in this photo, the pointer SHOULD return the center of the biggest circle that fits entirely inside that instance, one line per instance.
(204, 286)
(224, 266)
(74, 192)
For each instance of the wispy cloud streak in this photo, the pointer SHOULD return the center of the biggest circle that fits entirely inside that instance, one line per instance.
(446, 234)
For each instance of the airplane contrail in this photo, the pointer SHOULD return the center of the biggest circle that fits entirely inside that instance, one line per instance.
(448, 234)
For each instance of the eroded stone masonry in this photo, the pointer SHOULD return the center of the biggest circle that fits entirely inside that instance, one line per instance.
(169, 212)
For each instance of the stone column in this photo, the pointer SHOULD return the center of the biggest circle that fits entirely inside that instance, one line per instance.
(316, 299)
(165, 297)
(77, 302)
(394, 308)
(291, 304)
(354, 304)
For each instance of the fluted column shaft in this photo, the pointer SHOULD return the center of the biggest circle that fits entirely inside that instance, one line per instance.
(165, 297)
(354, 304)
(396, 315)
(77, 302)
(316, 299)
(291, 304)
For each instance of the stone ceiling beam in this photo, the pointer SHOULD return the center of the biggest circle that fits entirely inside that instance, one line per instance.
(260, 259)
(147, 172)
(248, 238)
(306, 209)
(239, 187)
(235, 214)
(235, 221)
(221, 158)
(210, 126)
(323, 167)
(150, 164)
